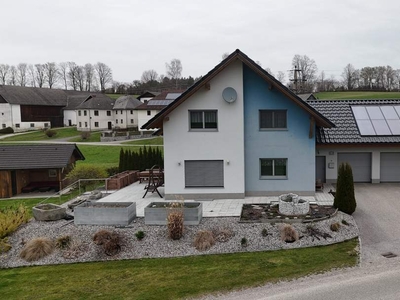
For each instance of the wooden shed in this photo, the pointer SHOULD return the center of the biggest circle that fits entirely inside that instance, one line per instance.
(27, 168)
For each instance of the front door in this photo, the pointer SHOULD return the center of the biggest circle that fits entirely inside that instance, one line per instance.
(69, 122)
(320, 168)
(13, 183)
(109, 125)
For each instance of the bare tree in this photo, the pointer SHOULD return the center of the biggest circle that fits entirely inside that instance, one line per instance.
(72, 75)
(80, 77)
(13, 76)
(174, 70)
(51, 73)
(63, 71)
(31, 75)
(349, 76)
(368, 76)
(40, 74)
(149, 75)
(269, 71)
(104, 74)
(308, 69)
(281, 76)
(90, 76)
(22, 69)
(4, 69)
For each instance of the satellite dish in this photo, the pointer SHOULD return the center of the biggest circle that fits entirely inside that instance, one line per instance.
(229, 94)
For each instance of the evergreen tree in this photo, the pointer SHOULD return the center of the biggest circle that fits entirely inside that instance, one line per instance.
(121, 160)
(345, 200)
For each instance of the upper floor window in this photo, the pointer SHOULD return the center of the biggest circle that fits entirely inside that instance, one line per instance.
(96, 112)
(131, 112)
(79, 113)
(203, 120)
(273, 119)
(108, 112)
(149, 113)
(84, 112)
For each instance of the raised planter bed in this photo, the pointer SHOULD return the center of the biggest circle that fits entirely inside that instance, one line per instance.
(123, 179)
(156, 213)
(48, 212)
(105, 213)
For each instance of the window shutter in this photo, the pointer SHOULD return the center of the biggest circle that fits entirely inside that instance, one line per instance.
(204, 173)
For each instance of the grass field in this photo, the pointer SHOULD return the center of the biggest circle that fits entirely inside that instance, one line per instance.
(39, 135)
(153, 141)
(357, 95)
(171, 278)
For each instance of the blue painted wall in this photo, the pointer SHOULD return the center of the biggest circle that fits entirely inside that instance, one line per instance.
(293, 143)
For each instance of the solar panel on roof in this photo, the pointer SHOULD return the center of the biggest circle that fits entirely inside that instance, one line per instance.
(377, 120)
(172, 96)
(159, 102)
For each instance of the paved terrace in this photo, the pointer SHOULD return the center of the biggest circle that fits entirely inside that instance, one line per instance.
(214, 208)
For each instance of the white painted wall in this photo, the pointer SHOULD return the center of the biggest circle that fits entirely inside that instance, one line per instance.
(5, 115)
(331, 156)
(143, 118)
(10, 115)
(87, 123)
(125, 118)
(226, 144)
(69, 115)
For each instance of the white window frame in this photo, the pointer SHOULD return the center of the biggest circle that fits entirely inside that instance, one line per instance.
(203, 111)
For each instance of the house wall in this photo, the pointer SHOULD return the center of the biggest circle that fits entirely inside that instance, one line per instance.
(10, 114)
(226, 144)
(87, 123)
(5, 115)
(331, 159)
(127, 116)
(5, 184)
(69, 115)
(143, 118)
(293, 144)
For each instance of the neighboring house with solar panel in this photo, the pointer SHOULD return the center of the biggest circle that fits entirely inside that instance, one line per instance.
(151, 107)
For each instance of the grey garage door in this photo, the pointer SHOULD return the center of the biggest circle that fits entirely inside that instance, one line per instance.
(390, 167)
(360, 164)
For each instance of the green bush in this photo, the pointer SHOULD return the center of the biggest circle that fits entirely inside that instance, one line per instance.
(144, 159)
(11, 218)
(140, 235)
(345, 200)
(7, 130)
(50, 133)
(85, 135)
(87, 172)
(243, 242)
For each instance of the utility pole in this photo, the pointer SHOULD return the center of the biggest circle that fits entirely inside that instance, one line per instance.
(298, 80)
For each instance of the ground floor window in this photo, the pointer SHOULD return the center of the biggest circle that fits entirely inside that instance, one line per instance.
(273, 168)
(96, 124)
(80, 124)
(204, 173)
(32, 125)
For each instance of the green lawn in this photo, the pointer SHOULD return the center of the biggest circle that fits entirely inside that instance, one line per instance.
(152, 141)
(31, 202)
(39, 135)
(171, 278)
(357, 95)
(94, 137)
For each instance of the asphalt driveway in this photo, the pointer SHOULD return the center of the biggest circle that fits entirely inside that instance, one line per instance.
(378, 218)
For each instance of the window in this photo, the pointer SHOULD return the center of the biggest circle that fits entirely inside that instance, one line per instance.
(203, 119)
(149, 113)
(46, 125)
(16, 125)
(108, 113)
(204, 173)
(273, 119)
(132, 121)
(80, 124)
(116, 121)
(4, 125)
(84, 112)
(131, 112)
(273, 168)
(32, 125)
(96, 124)
(96, 112)
(121, 112)
(122, 121)
(85, 124)
(79, 113)
(116, 112)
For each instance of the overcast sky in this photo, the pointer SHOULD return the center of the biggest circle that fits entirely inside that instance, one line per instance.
(133, 36)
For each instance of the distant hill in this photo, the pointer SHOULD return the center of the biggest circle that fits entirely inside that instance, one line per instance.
(357, 95)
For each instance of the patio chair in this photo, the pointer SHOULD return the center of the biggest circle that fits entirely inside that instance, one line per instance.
(156, 179)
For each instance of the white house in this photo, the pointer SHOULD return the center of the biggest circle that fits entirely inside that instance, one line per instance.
(125, 113)
(95, 113)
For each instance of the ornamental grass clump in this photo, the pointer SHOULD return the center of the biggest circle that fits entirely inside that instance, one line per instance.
(289, 234)
(203, 240)
(335, 226)
(63, 242)
(11, 218)
(175, 220)
(36, 249)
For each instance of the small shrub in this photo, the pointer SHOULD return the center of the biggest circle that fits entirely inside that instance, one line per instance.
(243, 242)
(6, 130)
(112, 171)
(63, 242)
(335, 226)
(36, 249)
(140, 235)
(289, 234)
(50, 133)
(345, 200)
(4, 245)
(75, 249)
(101, 236)
(222, 235)
(344, 222)
(203, 240)
(11, 218)
(85, 135)
(264, 232)
(175, 220)
(111, 241)
(86, 172)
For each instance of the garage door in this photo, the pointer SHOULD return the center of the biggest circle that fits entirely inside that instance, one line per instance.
(360, 164)
(390, 167)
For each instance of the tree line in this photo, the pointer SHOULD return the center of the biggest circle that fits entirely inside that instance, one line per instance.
(144, 159)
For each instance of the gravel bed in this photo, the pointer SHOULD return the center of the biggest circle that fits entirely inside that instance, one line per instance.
(157, 244)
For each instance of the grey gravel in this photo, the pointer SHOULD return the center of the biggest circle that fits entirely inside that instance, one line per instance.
(157, 244)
